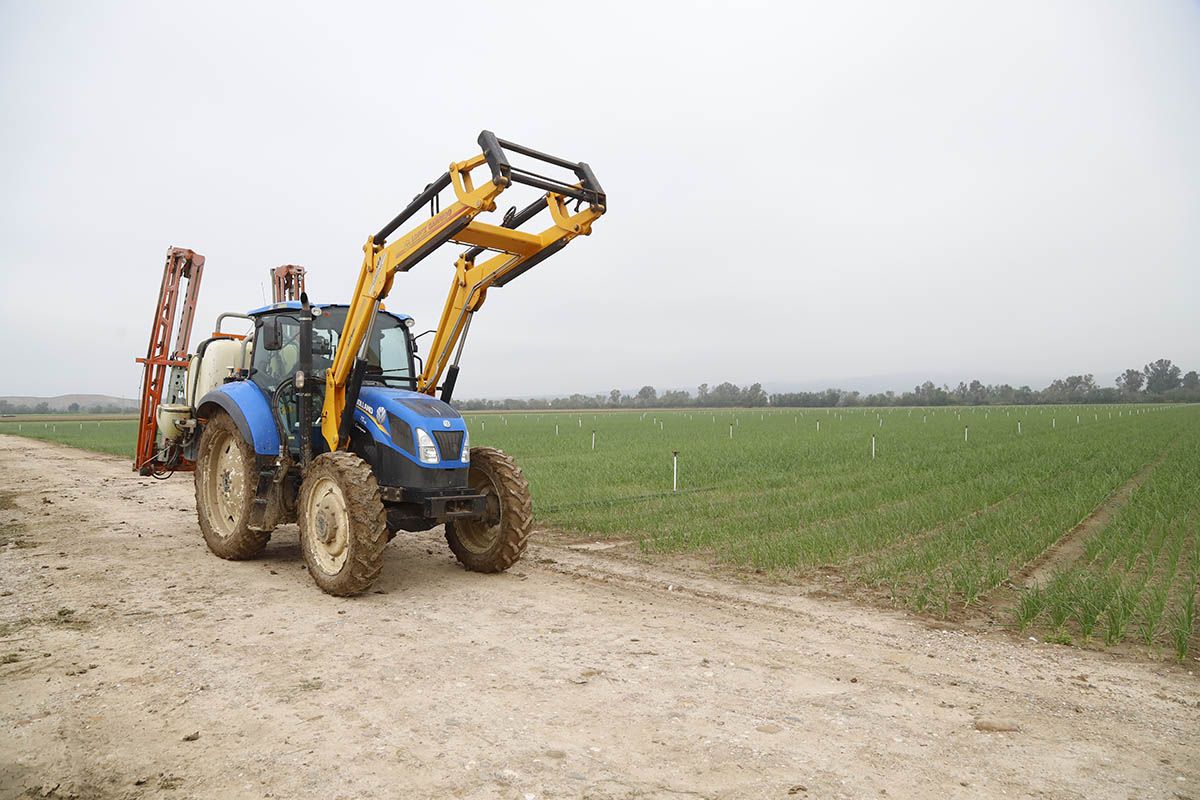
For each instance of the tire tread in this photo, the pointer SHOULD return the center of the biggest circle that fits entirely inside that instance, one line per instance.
(368, 523)
(516, 521)
(244, 543)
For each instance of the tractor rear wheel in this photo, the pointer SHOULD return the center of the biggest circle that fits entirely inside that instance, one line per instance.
(495, 542)
(225, 481)
(343, 524)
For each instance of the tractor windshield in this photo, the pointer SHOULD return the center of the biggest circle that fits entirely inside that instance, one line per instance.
(277, 348)
(388, 350)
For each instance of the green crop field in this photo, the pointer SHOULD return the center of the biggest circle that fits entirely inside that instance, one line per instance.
(956, 506)
(954, 511)
(110, 434)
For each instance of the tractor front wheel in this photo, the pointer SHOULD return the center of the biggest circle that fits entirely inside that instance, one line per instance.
(225, 481)
(343, 524)
(495, 542)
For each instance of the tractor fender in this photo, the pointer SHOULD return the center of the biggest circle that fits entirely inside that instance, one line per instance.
(248, 406)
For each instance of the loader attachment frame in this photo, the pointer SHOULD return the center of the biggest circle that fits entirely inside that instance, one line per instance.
(514, 252)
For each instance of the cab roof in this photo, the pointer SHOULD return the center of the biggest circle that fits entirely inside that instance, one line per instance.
(295, 305)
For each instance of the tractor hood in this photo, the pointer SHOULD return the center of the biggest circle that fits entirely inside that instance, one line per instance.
(393, 417)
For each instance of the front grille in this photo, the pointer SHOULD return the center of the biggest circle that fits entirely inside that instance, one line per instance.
(450, 444)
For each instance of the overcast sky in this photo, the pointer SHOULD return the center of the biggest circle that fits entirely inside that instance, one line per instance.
(799, 193)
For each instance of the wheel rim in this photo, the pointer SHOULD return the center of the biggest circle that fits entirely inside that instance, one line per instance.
(226, 485)
(328, 526)
(478, 535)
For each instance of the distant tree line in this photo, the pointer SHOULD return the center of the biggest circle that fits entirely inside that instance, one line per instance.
(7, 408)
(1158, 382)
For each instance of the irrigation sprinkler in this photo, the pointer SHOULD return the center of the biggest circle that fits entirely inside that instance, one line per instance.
(1076, 419)
(556, 429)
(593, 440)
(1018, 427)
(1052, 423)
(818, 426)
(674, 470)
(731, 430)
(872, 447)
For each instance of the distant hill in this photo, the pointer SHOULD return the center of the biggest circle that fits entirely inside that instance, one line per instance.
(63, 401)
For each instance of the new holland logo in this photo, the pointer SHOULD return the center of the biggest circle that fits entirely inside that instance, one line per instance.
(381, 414)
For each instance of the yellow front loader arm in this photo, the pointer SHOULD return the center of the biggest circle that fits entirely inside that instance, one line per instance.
(515, 251)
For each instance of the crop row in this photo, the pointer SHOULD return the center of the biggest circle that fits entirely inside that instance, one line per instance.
(1138, 576)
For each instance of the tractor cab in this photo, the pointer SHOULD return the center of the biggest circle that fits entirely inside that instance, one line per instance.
(276, 354)
(406, 433)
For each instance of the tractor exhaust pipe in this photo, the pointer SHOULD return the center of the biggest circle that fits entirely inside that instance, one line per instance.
(303, 378)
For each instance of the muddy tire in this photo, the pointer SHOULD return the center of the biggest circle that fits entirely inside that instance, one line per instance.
(226, 476)
(496, 542)
(343, 525)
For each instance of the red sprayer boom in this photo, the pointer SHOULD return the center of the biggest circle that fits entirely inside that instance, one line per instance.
(182, 265)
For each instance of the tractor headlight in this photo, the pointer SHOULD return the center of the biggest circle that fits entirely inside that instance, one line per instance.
(426, 450)
(466, 453)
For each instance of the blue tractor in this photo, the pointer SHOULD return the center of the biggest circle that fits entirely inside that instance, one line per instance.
(327, 415)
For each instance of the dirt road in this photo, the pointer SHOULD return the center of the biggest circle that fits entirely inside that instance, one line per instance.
(581, 673)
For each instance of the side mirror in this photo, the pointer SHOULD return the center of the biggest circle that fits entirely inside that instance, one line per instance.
(418, 336)
(272, 334)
